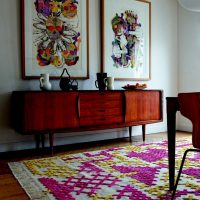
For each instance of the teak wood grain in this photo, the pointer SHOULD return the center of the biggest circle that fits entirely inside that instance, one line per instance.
(38, 112)
(143, 106)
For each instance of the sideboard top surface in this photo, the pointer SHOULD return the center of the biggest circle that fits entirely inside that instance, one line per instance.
(24, 91)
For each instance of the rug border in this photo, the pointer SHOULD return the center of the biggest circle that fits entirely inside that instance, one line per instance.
(23, 179)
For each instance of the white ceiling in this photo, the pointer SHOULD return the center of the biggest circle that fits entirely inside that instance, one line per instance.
(192, 5)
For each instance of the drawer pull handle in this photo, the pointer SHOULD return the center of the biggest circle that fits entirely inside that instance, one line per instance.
(101, 110)
(101, 102)
(102, 119)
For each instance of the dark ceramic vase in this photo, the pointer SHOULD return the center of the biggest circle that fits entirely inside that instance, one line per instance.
(66, 83)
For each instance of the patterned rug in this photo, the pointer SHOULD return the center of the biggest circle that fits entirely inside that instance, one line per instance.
(132, 172)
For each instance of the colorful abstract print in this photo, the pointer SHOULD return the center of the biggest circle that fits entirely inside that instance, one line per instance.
(128, 43)
(132, 172)
(56, 32)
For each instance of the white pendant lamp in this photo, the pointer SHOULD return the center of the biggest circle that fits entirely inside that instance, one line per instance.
(192, 5)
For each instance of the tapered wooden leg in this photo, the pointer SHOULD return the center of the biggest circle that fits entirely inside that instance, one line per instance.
(172, 107)
(51, 138)
(143, 131)
(130, 133)
(43, 140)
(37, 141)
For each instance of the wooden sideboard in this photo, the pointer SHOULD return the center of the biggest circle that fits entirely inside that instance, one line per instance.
(39, 112)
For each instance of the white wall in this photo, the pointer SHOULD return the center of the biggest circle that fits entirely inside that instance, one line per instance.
(189, 57)
(163, 69)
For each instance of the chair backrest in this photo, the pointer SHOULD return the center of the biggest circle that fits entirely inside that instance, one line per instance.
(189, 105)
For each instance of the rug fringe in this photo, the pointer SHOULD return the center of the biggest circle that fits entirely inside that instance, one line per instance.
(33, 189)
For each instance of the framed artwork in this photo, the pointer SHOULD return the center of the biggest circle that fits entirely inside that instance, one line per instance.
(126, 39)
(54, 37)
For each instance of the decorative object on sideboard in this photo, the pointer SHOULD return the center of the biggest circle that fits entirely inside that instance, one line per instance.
(74, 84)
(109, 82)
(99, 83)
(66, 83)
(44, 82)
(139, 86)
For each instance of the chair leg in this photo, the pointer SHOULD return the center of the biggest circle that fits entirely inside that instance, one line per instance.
(180, 170)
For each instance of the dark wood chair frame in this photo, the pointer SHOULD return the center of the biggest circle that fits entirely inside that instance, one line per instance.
(189, 106)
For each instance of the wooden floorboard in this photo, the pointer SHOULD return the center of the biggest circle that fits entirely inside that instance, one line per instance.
(10, 188)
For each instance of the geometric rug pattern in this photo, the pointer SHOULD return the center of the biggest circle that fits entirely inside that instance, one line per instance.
(132, 172)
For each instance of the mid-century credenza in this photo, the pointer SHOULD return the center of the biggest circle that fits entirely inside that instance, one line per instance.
(50, 112)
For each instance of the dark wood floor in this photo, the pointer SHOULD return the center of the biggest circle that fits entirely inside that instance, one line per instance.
(11, 190)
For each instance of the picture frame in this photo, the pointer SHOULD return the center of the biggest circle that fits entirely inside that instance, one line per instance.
(126, 39)
(55, 35)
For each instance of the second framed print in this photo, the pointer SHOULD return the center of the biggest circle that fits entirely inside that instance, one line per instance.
(54, 37)
(126, 39)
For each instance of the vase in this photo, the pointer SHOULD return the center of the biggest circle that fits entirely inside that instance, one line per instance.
(44, 82)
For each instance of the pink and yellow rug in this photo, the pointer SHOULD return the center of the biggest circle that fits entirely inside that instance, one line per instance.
(132, 172)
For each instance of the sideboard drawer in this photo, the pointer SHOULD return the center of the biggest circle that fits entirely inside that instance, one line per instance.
(101, 108)
(101, 112)
(100, 96)
(102, 120)
(90, 109)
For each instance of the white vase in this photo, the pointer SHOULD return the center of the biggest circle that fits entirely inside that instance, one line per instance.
(44, 82)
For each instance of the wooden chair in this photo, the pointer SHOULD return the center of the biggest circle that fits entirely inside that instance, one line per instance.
(189, 105)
